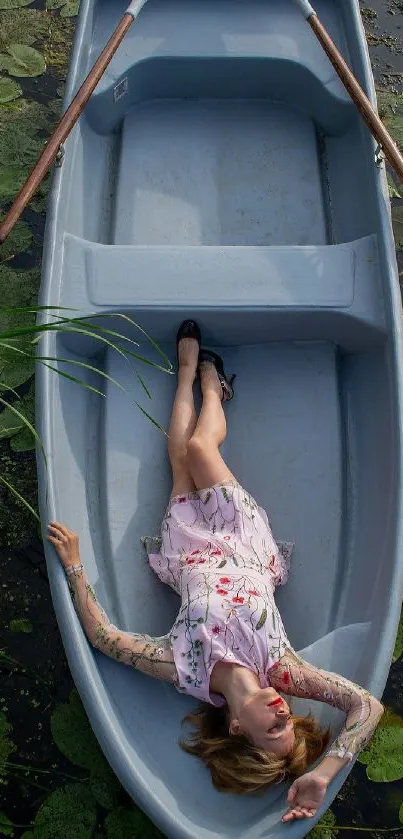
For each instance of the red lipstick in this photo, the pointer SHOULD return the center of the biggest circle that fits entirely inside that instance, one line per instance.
(278, 701)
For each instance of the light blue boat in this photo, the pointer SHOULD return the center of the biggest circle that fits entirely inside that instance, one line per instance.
(221, 171)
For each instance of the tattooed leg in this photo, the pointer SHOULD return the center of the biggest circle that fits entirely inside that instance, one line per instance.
(205, 461)
(183, 417)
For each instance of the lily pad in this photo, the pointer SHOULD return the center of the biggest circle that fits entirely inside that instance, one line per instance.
(21, 625)
(9, 90)
(123, 823)
(383, 757)
(22, 26)
(399, 640)
(18, 241)
(67, 813)
(397, 223)
(390, 106)
(325, 828)
(6, 825)
(7, 747)
(68, 8)
(74, 737)
(104, 785)
(73, 734)
(11, 426)
(14, 4)
(17, 288)
(22, 60)
(11, 180)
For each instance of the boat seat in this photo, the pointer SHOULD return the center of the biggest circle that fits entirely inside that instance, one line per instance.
(227, 50)
(342, 280)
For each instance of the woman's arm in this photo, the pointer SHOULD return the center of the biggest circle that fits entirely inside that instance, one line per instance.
(292, 675)
(150, 655)
(295, 676)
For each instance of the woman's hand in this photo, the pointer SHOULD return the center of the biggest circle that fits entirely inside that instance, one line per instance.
(305, 796)
(66, 543)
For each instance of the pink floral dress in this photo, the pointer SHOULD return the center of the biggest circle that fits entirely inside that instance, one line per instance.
(218, 553)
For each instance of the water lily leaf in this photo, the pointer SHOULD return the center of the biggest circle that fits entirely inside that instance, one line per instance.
(67, 813)
(7, 747)
(11, 426)
(21, 625)
(14, 4)
(390, 106)
(104, 785)
(22, 26)
(18, 241)
(383, 757)
(17, 288)
(325, 828)
(74, 737)
(6, 826)
(9, 90)
(123, 823)
(399, 640)
(23, 60)
(73, 734)
(392, 188)
(11, 180)
(69, 8)
(397, 223)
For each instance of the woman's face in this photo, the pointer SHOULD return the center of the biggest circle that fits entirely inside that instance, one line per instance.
(266, 718)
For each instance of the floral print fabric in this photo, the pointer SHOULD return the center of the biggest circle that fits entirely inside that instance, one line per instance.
(218, 553)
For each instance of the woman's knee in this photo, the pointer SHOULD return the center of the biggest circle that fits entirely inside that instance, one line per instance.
(199, 447)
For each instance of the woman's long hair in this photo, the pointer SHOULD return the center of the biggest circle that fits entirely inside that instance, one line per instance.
(236, 764)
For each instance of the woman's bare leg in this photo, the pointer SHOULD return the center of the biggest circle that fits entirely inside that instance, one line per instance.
(183, 417)
(205, 462)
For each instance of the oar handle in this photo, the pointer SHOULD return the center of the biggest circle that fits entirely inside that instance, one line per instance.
(356, 92)
(68, 120)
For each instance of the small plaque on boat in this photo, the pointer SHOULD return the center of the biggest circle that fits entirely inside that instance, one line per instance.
(120, 89)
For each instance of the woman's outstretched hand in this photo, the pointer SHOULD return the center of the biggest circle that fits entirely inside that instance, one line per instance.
(65, 542)
(305, 796)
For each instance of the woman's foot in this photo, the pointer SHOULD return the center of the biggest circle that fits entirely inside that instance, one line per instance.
(213, 377)
(188, 341)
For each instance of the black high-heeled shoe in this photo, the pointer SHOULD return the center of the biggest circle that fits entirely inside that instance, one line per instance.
(225, 381)
(188, 329)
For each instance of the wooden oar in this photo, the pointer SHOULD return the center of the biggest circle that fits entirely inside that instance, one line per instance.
(356, 92)
(68, 120)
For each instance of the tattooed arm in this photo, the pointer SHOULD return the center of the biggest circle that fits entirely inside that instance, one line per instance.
(292, 675)
(150, 655)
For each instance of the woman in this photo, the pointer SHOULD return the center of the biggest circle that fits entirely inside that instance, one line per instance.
(228, 646)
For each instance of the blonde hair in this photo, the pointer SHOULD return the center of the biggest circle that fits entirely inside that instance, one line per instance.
(236, 764)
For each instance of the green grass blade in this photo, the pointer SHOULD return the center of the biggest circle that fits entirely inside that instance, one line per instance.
(33, 309)
(74, 379)
(20, 498)
(12, 347)
(154, 422)
(143, 384)
(150, 339)
(4, 387)
(80, 364)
